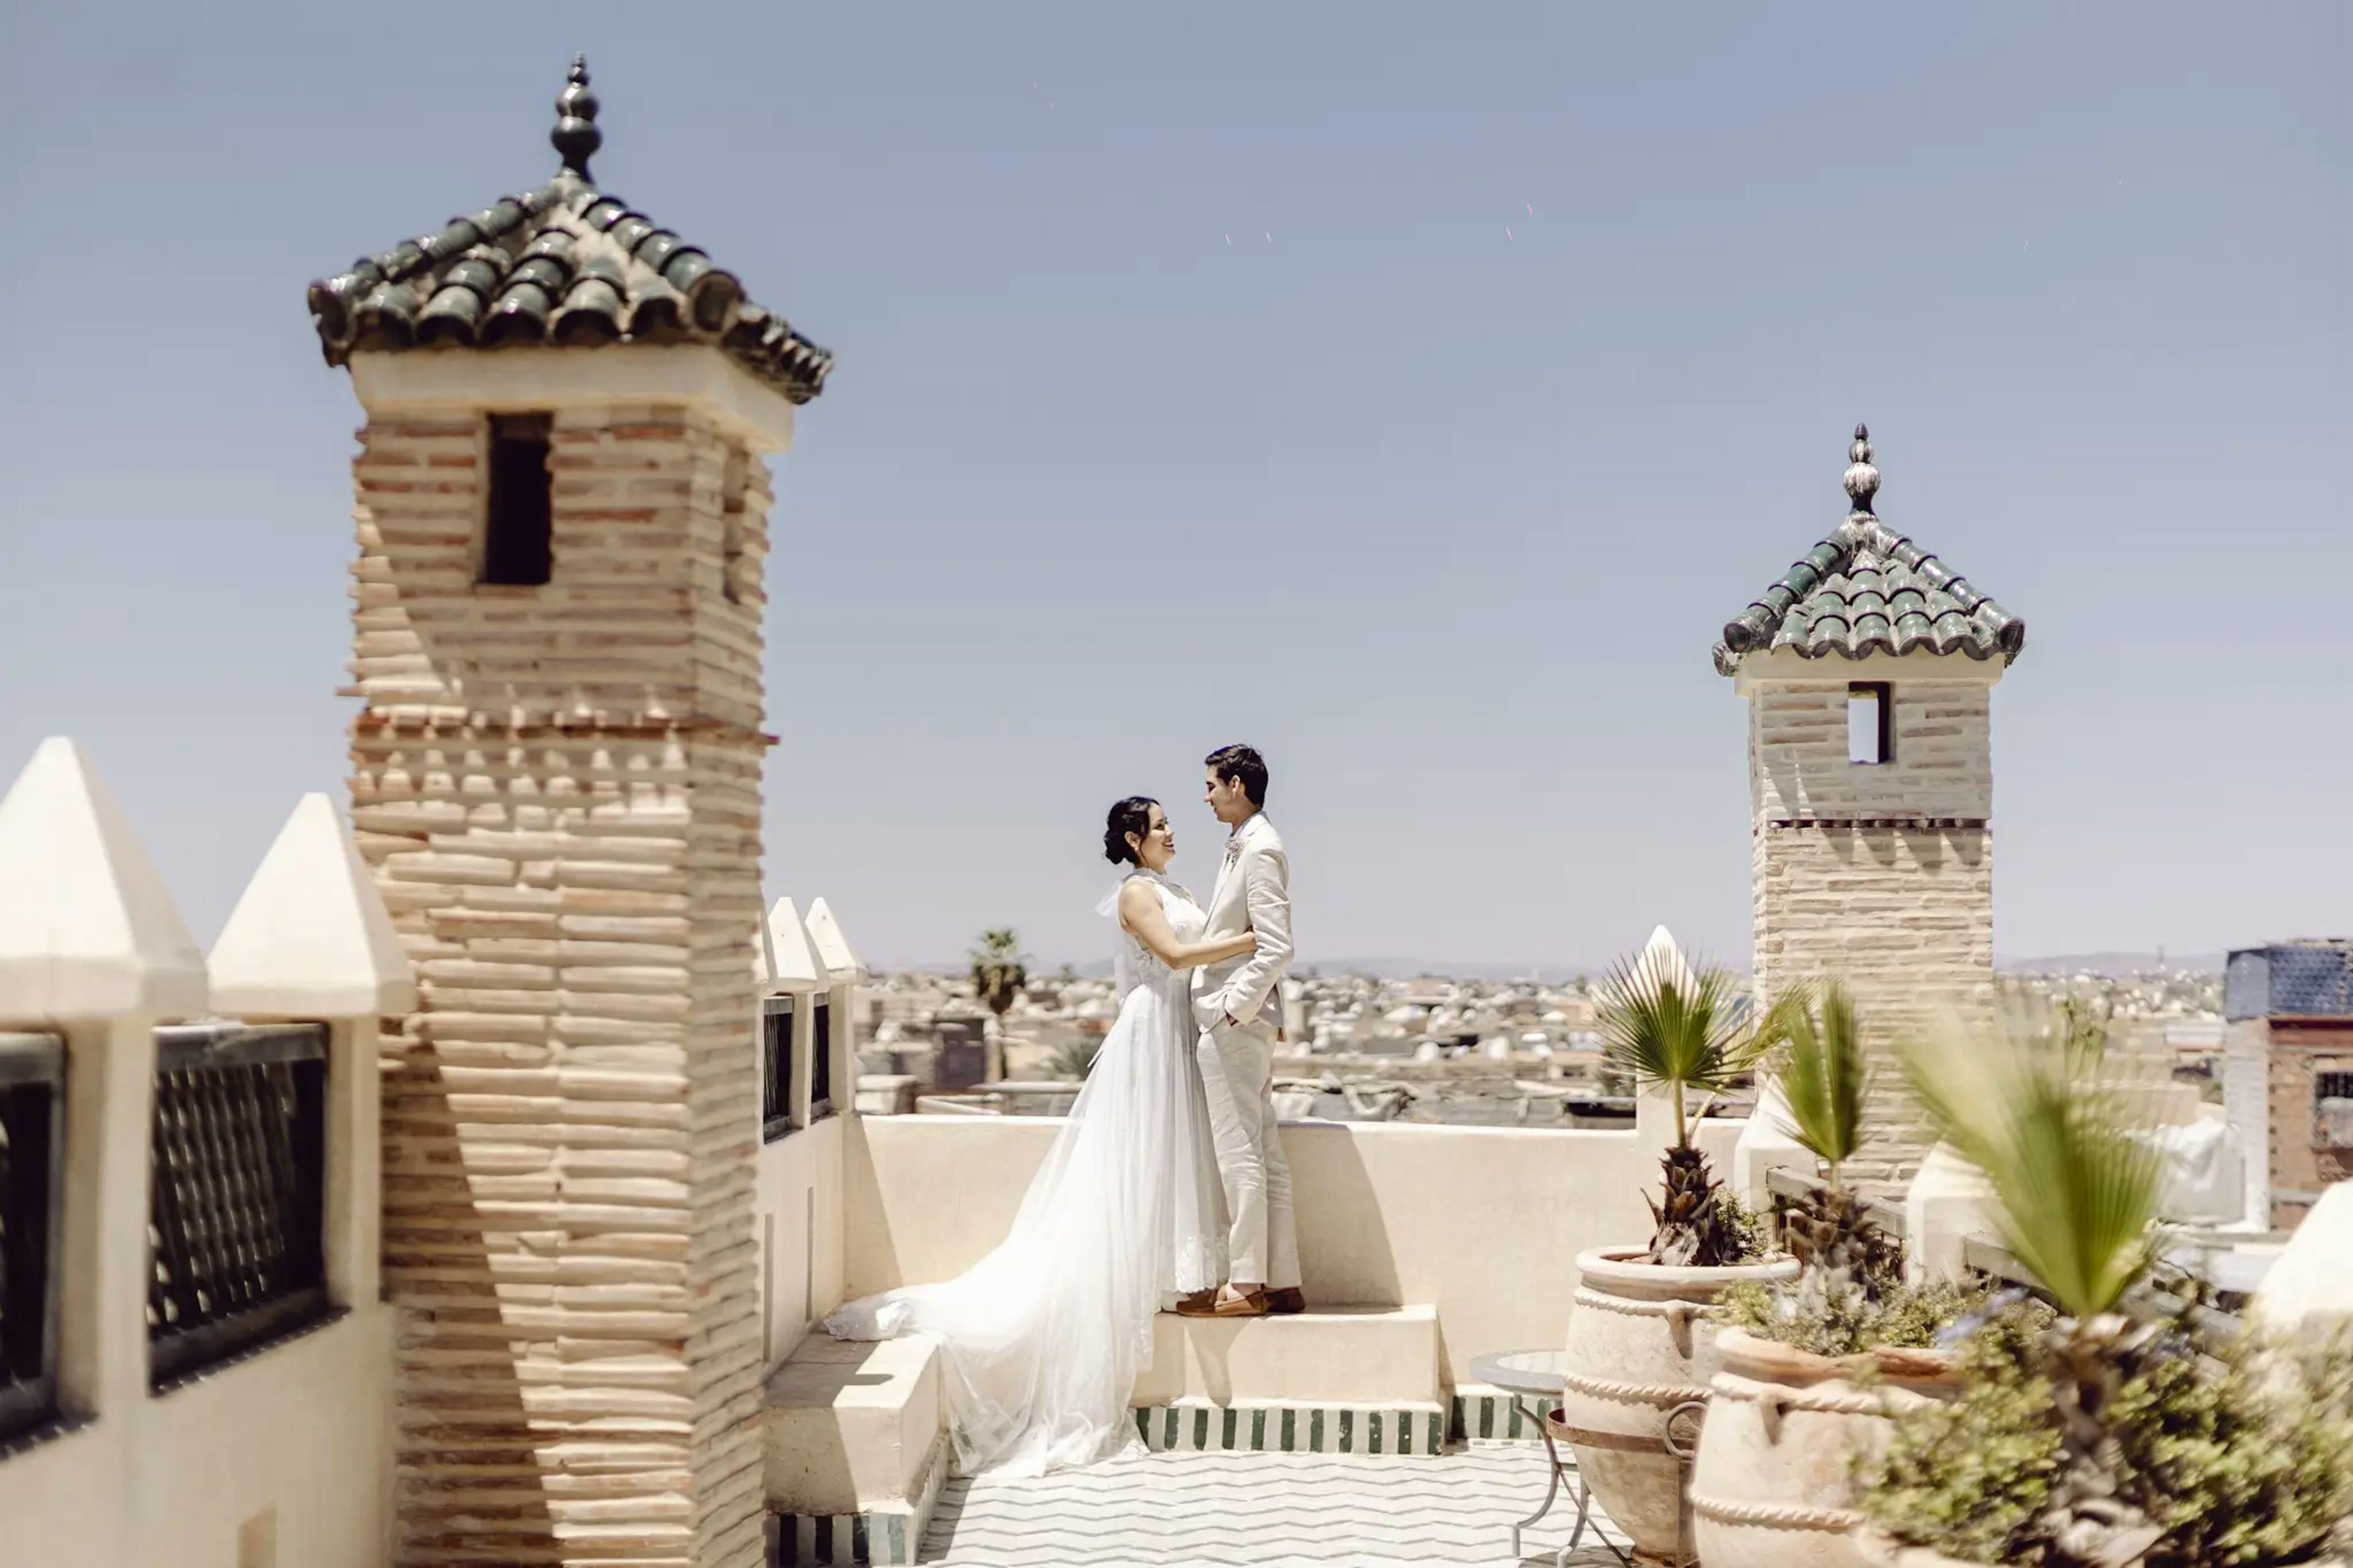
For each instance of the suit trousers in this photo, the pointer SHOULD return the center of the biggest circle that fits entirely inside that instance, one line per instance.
(1238, 1076)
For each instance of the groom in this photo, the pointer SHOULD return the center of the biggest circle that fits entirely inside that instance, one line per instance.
(1230, 1002)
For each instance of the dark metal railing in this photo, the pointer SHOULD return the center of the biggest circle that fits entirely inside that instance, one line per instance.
(820, 1058)
(2168, 1291)
(1885, 1214)
(32, 1185)
(237, 1196)
(775, 1067)
(2165, 1292)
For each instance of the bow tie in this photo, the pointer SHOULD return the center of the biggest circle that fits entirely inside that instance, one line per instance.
(1233, 848)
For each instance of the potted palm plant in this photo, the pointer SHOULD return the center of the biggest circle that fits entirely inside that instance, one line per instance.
(1806, 1371)
(1633, 1330)
(2116, 1435)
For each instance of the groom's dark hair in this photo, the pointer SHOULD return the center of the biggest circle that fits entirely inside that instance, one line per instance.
(1241, 763)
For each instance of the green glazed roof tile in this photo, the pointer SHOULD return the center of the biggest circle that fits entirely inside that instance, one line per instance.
(1868, 589)
(564, 264)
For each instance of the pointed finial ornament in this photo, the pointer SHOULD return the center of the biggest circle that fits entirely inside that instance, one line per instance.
(575, 135)
(1862, 479)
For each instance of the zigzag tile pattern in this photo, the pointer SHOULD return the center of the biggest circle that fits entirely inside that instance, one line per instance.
(1260, 1509)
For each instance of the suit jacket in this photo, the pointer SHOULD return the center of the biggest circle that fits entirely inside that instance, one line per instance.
(1252, 894)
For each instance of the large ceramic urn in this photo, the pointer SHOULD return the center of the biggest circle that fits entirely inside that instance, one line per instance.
(1769, 1489)
(1636, 1382)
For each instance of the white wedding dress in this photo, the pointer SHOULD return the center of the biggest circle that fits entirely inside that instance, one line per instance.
(1041, 1341)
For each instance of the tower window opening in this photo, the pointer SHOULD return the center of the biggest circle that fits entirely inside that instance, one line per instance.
(518, 519)
(1870, 722)
(731, 524)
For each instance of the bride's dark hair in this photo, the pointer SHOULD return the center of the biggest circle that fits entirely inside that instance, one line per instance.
(1132, 814)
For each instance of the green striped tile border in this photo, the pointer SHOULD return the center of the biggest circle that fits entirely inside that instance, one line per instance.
(1388, 1432)
(883, 1538)
(1494, 1419)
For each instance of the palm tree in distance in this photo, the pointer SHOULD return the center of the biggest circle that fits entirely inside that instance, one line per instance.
(999, 974)
(1000, 971)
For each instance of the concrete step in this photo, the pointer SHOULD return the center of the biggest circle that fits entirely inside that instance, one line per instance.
(1351, 1379)
(1346, 1357)
(854, 1450)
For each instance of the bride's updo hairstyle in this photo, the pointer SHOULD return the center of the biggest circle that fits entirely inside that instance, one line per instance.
(1132, 814)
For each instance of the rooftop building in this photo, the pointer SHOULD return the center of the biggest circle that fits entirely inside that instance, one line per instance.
(2288, 1072)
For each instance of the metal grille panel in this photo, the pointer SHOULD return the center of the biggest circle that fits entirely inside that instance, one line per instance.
(820, 1058)
(775, 1067)
(236, 1223)
(32, 1146)
(2332, 1110)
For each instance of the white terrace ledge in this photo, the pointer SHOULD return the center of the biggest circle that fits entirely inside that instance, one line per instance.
(1483, 1224)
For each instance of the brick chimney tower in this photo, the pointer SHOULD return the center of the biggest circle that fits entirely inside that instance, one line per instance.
(562, 510)
(1869, 671)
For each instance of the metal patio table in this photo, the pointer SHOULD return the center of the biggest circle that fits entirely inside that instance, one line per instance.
(1536, 1374)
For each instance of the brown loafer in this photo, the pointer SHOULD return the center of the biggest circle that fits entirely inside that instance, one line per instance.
(1198, 1304)
(1282, 1303)
(1251, 1306)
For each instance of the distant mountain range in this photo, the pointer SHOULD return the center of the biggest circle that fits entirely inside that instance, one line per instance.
(2110, 964)
(2113, 964)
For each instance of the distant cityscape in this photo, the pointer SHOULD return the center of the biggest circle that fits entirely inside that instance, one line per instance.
(1363, 1042)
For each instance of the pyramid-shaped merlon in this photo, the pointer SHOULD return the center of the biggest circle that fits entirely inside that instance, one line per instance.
(310, 937)
(87, 929)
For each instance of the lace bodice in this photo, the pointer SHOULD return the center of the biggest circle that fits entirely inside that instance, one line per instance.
(1136, 964)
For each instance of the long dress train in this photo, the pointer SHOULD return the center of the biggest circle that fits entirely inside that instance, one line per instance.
(1042, 1339)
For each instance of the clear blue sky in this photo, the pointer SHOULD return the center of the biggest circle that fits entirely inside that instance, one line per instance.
(1444, 519)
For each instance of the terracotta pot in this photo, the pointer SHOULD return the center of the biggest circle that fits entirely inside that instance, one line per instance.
(1770, 1487)
(1879, 1551)
(1638, 1360)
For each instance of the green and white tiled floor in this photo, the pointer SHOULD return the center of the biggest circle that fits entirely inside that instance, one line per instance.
(1260, 1509)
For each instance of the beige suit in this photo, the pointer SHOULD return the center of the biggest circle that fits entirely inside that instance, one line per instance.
(1238, 1007)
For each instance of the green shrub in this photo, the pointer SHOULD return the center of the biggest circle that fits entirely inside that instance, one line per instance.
(2231, 1461)
(1900, 1317)
(1073, 1060)
(1969, 1476)
(1751, 1233)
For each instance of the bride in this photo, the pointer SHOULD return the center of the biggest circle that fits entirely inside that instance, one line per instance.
(1041, 1341)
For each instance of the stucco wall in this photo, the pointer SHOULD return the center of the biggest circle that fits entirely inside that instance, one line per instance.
(799, 1215)
(283, 1461)
(2246, 1100)
(1483, 1224)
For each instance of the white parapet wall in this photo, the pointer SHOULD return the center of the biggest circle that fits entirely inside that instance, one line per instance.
(798, 1204)
(277, 1456)
(1483, 1224)
(280, 1462)
(797, 1197)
